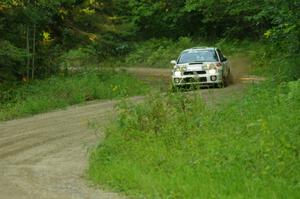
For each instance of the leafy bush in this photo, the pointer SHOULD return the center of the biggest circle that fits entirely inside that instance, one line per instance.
(57, 92)
(157, 53)
(175, 147)
(11, 58)
(268, 60)
(153, 53)
(77, 59)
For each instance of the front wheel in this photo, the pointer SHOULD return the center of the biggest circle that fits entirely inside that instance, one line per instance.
(223, 83)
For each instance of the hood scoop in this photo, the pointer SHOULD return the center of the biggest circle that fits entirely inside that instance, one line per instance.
(195, 63)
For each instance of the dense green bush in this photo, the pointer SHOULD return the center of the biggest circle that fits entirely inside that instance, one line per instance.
(12, 59)
(78, 59)
(268, 60)
(153, 53)
(174, 146)
(157, 52)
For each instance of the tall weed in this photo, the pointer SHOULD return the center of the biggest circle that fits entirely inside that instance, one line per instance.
(175, 147)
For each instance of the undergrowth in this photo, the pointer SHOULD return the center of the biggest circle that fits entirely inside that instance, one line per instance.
(174, 146)
(61, 91)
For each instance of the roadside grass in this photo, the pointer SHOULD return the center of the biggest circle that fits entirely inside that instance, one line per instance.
(174, 146)
(61, 91)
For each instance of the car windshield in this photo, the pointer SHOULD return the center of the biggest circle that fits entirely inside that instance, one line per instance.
(195, 56)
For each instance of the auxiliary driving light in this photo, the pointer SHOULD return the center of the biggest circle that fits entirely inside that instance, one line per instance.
(176, 80)
(213, 78)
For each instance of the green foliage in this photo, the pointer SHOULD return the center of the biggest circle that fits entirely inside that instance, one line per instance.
(77, 59)
(154, 53)
(46, 28)
(158, 52)
(58, 92)
(156, 18)
(176, 147)
(268, 60)
(111, 26)
(277, 20)
(11, 61)
(284, 31)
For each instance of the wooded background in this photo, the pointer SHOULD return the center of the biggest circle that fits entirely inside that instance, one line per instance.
(36, 33)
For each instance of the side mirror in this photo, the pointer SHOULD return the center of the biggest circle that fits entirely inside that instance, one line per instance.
(174, 62)
(224, 59)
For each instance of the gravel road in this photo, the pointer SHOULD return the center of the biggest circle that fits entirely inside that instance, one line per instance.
(45, 156)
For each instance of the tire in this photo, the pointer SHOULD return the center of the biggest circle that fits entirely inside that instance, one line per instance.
(226, 81)
(230, 79)
(223, 84)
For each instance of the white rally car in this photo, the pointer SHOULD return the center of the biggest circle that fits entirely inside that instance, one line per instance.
(201, 66)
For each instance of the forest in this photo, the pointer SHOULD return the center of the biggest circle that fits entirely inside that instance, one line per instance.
(36, 35)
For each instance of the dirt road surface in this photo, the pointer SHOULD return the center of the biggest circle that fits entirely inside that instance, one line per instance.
(45, 156)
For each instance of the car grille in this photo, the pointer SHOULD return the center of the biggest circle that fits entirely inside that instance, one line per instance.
(194, 72)
(191, 79)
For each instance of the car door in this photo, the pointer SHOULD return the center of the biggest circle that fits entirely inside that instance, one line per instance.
(224, 63)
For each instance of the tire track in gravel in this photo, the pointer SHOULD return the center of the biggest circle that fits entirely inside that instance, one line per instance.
(45, 156)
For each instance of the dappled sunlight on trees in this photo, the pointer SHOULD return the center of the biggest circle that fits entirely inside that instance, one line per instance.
(45, 29)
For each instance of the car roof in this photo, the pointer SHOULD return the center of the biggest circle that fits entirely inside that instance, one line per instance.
(199, 48)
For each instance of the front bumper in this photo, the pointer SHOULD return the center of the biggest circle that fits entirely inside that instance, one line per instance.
(197, 79)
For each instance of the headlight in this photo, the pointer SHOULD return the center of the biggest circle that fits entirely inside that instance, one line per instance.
(209, 66)
(177, 73)
(180, 69)
(212, 71)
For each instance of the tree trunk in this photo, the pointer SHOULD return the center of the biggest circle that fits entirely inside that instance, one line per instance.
(28, 53)
(28, 48)
(33, 51)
